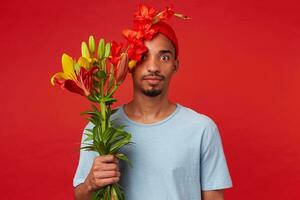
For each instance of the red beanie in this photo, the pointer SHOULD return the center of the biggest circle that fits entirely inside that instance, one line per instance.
(168, 31)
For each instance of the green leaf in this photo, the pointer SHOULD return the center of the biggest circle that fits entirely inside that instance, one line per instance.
(119, 191)
(106, 135)
(94, 120)
(95, 108)
(110, 100)
(89, 130)
(88, 147)
(123, 157)
(87, 113)
(114, 111)
(93, 99)
(115, 196)
(117, 144)
(97, 194)
(89, 137)
(107, 193)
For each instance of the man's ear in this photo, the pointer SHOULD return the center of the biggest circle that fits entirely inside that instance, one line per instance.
(176, 65)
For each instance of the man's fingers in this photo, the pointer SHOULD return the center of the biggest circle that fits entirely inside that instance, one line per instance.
(106, 158)
(107, 174)
(105, 171)
(109, 167)
(107, 181)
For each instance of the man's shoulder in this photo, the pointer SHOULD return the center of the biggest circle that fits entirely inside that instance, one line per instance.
(192, 116)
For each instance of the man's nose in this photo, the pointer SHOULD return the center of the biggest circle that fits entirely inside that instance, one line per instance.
(152, 65)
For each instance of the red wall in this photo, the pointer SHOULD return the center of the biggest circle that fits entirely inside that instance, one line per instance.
(240, 64)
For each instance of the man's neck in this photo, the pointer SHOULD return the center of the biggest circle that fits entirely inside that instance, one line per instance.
(149, 110)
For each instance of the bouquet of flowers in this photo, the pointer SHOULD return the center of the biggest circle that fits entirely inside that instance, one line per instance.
(97, 75)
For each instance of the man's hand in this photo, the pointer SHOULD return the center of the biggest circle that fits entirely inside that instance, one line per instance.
(104, 171)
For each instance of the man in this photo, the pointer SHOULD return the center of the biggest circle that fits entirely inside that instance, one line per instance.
(177, 153)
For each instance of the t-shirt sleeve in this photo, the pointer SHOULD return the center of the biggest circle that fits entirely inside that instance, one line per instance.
(86, 160)
(214, 172)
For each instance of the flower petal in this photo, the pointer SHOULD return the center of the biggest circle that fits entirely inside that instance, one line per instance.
(131, 64)
(59, 76)
(73, 87)
(68, 66)
(83, 62)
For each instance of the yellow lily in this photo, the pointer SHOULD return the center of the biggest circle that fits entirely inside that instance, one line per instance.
(76, 76)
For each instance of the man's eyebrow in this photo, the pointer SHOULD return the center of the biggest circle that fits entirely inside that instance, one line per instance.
(165, 51)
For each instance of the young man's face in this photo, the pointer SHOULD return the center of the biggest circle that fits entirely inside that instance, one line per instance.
(152, 75)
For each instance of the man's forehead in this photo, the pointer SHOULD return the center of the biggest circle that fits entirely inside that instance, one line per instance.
(160, 52)
(160, 44)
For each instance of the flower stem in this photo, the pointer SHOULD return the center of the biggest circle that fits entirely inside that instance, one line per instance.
(103, 114)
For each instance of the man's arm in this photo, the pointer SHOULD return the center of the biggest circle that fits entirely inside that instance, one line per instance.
(83, 192)
(212, 195)
(214, 173)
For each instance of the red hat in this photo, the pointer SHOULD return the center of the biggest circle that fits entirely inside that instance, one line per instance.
(168, 31)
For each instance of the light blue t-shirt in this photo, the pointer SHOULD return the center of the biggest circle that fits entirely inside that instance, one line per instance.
(173, 159)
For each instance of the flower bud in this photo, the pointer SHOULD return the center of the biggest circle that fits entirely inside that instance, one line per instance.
(101, 49)
(85, 51)
(131, 64)
(92, 44)
(107, 50)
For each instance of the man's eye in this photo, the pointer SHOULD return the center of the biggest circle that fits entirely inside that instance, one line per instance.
(143, 57)
(165, 57)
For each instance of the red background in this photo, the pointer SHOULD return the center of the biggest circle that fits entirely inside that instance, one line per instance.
(239, 64)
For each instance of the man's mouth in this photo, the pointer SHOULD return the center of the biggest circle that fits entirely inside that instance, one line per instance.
(153, 79)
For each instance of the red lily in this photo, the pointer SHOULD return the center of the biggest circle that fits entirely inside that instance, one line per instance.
(166, 14)
(135, 46)
(83, 84)
(120, 71)
(115, 53)
(144, 14)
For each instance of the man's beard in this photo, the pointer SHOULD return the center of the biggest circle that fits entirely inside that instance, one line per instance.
(151, 92)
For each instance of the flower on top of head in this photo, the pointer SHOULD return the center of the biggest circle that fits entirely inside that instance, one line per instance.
(144, 14)
(165, 14)
(143, 29)
(76, 76)
(135, 51)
